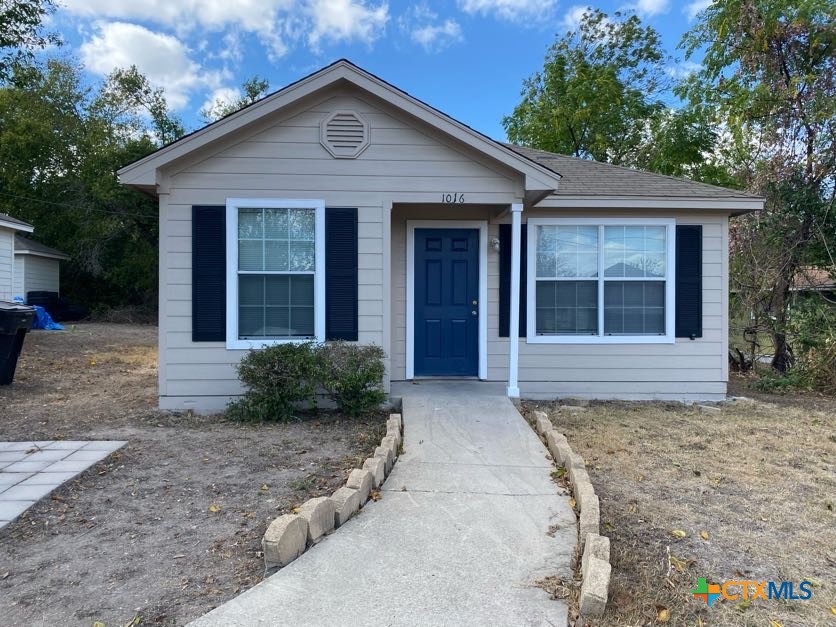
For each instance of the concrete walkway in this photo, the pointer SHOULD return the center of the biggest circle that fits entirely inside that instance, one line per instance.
(31, 470)
(468, 522)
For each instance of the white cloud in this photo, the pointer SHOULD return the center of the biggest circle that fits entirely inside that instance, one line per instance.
(572, 19)
(278, 24)
(162, 58)
(513, 10)
(692, 9)
(222, 95)
(683, 69)
(346, 20)
(649, 8)
(434, 37)
(423, 27)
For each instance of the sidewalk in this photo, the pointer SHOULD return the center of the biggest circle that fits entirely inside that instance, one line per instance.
(468, 522)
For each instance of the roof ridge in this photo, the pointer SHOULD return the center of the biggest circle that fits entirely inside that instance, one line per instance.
(678, 179)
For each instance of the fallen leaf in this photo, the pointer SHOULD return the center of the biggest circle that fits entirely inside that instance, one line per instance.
(572, 503)
(704, 535)
(678, 563)
(214, 508)
(265, 487)
(774, 623)
(663, 615)
(833, 610)
(678, 533)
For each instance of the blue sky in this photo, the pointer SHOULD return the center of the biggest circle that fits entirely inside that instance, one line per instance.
(465, 57)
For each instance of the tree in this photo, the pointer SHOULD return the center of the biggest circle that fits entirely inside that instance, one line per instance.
(601, 96)
(769, 75)
(253, 90)
(64, 182)
(21, 31)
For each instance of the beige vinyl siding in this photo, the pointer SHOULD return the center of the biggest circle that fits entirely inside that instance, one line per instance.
(6, 263)
(40, 274)
(284, 159)
(684, 370)
(17, 281)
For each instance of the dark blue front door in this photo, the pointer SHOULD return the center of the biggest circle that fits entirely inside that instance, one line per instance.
(446, 302)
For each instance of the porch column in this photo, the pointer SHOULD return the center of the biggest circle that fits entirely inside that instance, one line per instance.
(513, 390)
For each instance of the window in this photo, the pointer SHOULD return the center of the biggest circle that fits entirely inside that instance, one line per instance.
(275, 275)
(604, 281)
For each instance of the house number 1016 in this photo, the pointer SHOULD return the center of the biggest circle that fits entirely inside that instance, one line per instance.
(454, 197)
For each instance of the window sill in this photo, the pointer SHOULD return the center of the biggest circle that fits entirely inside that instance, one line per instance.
(595, 339)
(255, 344)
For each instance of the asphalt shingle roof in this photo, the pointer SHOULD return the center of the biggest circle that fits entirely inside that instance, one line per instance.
(583, 177)
(24, 243)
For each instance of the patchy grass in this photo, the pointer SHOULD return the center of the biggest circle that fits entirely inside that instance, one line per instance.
(746, 493)
(169, 526)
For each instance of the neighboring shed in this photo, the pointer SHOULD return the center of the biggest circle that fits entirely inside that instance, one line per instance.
(36, 267)
(9, 226)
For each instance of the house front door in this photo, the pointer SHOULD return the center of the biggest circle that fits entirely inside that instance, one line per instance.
(446, 302)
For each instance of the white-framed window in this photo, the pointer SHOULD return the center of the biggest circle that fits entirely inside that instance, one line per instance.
(596, 280)
(275, 271)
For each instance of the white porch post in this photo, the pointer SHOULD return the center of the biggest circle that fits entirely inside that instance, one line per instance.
(513, 390)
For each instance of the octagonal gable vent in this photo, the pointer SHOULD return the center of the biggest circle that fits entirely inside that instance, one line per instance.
(345, 134)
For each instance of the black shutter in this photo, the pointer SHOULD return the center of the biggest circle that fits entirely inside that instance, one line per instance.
(689, 281)
(505, 279)
(341, 274)
(208, 273)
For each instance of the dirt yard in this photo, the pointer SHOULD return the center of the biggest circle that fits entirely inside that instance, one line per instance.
(752, 487)
(168, 527)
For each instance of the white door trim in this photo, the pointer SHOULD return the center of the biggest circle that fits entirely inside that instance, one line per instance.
(482, 226)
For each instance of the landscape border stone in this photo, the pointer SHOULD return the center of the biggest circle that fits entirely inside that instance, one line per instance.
(289, 535)
(594, 565)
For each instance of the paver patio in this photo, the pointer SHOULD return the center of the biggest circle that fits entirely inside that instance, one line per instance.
(469, 521)
(31, 470)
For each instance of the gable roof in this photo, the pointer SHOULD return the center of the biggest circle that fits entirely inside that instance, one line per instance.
(142, 173)
(584, 178)
(13, 223)
(26, 246)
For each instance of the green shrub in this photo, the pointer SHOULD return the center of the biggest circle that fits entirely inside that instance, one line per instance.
(279, 380)
(353, 376)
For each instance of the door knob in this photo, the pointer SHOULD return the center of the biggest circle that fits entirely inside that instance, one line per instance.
(474, 313)
(474, 303)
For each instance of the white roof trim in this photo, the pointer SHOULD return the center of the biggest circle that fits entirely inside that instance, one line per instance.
(651, 202)
(37, 253)
(16, 226)
(142, 173)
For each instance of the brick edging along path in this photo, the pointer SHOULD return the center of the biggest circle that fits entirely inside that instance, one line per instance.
(289, 535)
(595, 566)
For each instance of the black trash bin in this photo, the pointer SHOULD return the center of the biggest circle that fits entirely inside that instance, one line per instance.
(15, 321)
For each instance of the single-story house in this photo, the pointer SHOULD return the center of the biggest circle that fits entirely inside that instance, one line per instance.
(810, 281)
(341, 207)
(9, 227)
(37, 267)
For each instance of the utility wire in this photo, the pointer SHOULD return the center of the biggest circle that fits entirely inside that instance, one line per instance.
(69, 206)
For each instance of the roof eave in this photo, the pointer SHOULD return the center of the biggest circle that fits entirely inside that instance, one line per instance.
(38, 253)
(17, 226)
(734, 205)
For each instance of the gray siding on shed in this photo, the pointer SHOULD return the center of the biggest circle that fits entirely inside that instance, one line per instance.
(40, 274)
(6, 263)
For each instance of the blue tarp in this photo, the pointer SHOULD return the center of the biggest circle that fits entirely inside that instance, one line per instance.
(42, 318)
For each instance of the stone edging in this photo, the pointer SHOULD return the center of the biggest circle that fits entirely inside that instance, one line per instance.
(595, 557)
(289, 535)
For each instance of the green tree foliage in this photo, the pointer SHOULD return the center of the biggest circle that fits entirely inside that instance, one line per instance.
(21, 31)
(599, 86)
(600, 95)
(769, 76)
(253, 89)
(60, 146)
